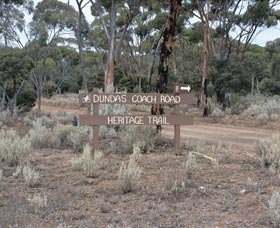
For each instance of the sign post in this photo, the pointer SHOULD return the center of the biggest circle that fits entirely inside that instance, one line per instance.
(181, 95)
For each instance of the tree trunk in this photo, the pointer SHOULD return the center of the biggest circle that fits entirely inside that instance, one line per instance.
(109, 77)
(165, 52)
(80, 45)
(204, 14)
(14, 100)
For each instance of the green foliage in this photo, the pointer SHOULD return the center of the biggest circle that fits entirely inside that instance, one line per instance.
(26, 98)
(270, 86)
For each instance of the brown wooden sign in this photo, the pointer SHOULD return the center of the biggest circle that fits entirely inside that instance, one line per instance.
(135, 120)
(136, 98)
(181, 95)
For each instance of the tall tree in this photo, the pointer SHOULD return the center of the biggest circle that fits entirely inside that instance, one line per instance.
(81, 31)
(15, 66)
(114, 19)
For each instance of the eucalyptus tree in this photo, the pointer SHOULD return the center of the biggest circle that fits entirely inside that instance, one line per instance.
(15, 66)
(81, 30)
(52, 20)
(12, 21)
(112, 20)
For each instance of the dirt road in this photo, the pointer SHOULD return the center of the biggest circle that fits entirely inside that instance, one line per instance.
(242, 137)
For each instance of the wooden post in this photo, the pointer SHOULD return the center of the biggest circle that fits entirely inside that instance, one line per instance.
(177, 134)
(95, 112)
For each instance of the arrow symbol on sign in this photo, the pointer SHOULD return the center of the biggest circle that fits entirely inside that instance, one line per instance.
(188, 88)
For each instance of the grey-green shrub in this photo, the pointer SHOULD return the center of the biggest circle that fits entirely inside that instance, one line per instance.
(269, 152)
(13, 147)
(80, 137)
(42, 137)
(144, 136)
(60, 137)
(31, 177)
(6, 118)
(38, 200)
(130, 173)
(90, 164)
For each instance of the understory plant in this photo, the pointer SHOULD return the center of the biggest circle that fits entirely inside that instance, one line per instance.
(13, 147)
(130, 173)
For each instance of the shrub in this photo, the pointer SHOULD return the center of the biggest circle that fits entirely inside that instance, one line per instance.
(144, 137)
(269, 152)
(274, 208)
(62, 133)
(42, 137)
(130, 173)
(265, 108)
(89, 164)
(12, 147)
(60, 137)
(195, 145)
(6, 117)
(38, 200)
(1, 174)
(31, 177)
(191, 163)
(171, 183)
(214, 109)
(80, 137)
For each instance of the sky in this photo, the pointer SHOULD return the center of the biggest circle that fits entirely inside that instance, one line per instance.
(261, 39)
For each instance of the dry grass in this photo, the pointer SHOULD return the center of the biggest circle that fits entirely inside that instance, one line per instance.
(31, 177)
(90, 164)
(130, 173)
(269, 152)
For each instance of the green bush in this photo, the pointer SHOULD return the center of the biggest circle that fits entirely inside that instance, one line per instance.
(27, 98)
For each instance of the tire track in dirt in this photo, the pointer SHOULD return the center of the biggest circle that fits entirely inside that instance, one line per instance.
(241, 137)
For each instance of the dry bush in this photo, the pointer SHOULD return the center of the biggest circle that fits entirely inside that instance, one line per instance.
(191, 163)
(62, 133)
(30, 176)
(12, 147)
(80, 137)
(274, 208)
(6, 118)
(60, 137)
(171, 183)
(70, 99)
(130, 173)
(267, 108)
(195, 145)
(38, 200)
(268, 151)
(144, 136)
(1, 175)
(214, 109)
(105, 131)
(42, 137)
(89, 164)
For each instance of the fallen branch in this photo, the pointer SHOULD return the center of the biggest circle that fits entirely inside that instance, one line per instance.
(205, 156)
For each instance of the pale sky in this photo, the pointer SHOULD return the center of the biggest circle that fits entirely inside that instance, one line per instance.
(261, 38)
